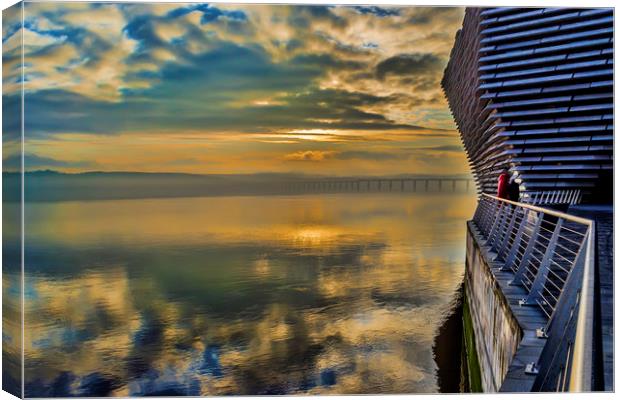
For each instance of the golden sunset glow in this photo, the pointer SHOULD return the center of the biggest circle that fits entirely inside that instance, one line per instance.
(229, 89)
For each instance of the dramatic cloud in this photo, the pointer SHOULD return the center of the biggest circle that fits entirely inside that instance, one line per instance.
(409, 64)
(258, 79)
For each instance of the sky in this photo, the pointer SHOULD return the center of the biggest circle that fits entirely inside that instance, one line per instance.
(226, 88)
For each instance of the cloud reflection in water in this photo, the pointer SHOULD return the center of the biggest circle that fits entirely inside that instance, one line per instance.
(245, 295)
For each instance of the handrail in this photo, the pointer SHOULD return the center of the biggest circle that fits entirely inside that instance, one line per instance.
(581, 371)
(547, 211)
(557, 273)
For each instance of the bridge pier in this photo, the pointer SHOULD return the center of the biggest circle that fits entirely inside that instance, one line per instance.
(375, 185)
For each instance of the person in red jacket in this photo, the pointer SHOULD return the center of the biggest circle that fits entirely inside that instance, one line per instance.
(502, 184)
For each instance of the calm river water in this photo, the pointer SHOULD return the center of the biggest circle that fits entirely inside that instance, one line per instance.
(240, 295)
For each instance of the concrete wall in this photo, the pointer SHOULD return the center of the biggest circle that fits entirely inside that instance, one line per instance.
(496, 330)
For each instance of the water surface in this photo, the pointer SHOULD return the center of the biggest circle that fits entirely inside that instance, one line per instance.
(240, 295)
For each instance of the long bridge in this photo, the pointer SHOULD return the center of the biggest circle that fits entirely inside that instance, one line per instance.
(411, 184)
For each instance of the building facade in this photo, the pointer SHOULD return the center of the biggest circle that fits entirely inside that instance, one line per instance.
(531, 90)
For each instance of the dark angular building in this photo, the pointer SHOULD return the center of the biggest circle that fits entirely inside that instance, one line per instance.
(531, 90)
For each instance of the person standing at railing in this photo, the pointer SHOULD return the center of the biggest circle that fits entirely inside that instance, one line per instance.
(513, 190)
(502, 184)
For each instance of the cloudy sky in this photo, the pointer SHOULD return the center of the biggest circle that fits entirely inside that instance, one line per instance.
(225, 88)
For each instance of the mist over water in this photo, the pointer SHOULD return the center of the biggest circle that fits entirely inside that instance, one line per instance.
(240, 295)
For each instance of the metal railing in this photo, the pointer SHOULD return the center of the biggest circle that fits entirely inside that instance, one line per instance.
(551, 254)
(570, 196)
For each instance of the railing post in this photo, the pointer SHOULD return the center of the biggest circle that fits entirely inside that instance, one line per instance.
(511, 225)
(491, 207)
(501, 226)
(517, 241)
(477, 213)
(543, 268)
(571, 286)
(496, 223)
(482, 203)
(528, 250)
